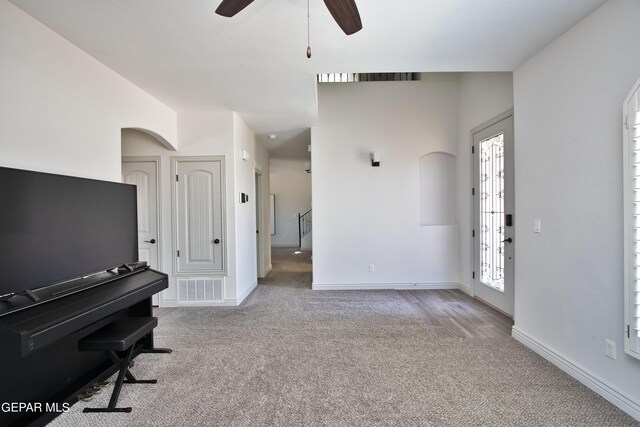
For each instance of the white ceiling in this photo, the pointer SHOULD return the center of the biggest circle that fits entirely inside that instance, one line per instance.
(255, 63)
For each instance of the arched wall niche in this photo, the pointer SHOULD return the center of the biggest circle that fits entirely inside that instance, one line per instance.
(437, 189)
(161, 140)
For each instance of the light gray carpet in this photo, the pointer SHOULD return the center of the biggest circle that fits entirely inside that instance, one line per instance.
(290, 356)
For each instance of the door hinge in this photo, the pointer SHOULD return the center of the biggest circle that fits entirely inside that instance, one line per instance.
(628, 332)
(473, 191)
(473, 275)
(473, 149)
(177, 179)
(626, 122)
(473, 234)
(178, 254)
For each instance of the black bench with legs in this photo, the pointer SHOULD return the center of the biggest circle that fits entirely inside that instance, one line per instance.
(119, 336)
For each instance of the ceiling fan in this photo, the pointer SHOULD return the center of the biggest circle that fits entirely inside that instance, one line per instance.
(345, 12)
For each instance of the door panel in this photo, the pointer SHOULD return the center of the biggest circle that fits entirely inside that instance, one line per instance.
(199, 232)
(493, 201)
(144, 175)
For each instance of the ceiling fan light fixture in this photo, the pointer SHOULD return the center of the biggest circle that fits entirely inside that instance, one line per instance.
(344, 12)
(229, 8)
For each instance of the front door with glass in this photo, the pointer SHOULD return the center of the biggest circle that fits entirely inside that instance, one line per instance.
(493, 201)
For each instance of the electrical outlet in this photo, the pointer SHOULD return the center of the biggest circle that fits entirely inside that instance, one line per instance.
(610, 349)
(372, 268)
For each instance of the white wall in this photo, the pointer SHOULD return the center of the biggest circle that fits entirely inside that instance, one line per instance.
(292, 186)
(61, 110)
(481, 97)
(246, 259)
(371, 215)
(200, 134)
(568, 153)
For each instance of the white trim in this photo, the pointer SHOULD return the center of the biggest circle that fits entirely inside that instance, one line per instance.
(467, 289)
(382, 286)
(268, 269)
(246, 293)
(228, 302)
(601, 387)
(285, 245)
(630, 341)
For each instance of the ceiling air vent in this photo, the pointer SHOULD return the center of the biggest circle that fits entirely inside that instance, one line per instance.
(367, 77)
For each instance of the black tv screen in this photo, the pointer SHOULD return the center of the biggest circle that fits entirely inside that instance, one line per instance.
(55, 228)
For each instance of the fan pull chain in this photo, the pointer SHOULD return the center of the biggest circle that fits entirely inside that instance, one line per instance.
(308, 33)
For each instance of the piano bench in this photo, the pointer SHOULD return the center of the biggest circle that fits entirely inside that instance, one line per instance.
(120, 335)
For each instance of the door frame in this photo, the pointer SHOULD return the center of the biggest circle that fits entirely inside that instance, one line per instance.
(157, 160)
(175, 160)
(259, 199)
(472, 261)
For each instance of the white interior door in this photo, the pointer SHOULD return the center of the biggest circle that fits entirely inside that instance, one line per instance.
(494, 205)
(199, 216)
(144, 175)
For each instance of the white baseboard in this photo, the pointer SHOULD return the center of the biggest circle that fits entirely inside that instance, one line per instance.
(268, 269)
(581, 374)
(245, 293)
(285, 245)
(467, 289)
(229, 302)
(382, 286)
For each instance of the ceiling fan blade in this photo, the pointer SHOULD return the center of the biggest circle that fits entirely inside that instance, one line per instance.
(346, 14)
(229, 8)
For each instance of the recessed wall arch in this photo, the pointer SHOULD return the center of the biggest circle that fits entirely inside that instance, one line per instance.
(161, 140)
(437, 188)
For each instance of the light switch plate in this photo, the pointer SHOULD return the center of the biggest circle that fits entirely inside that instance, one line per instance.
(537, 227)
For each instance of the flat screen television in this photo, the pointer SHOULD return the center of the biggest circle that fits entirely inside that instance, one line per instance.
(56, 228)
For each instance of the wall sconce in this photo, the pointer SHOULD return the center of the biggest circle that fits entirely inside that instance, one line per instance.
(375, 159)
(307, 167)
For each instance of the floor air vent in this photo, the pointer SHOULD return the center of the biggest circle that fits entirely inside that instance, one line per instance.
(200, 290)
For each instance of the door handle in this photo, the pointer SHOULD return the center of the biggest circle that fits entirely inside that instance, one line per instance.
(152, 241)
(216, 241)
(509, 240)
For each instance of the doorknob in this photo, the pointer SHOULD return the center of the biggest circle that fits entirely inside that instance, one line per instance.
(509, 240)
(152, 241)
(216, 241)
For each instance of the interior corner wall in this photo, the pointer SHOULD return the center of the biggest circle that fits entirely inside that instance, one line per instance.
(291, 185)
(366, 215)
(568, 155)
(481, 97)
(61, 110)
(246, 250)
(200, 134)
(262, 165)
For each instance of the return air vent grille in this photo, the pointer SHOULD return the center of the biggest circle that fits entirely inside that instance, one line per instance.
(367, 77)
(200, 290)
